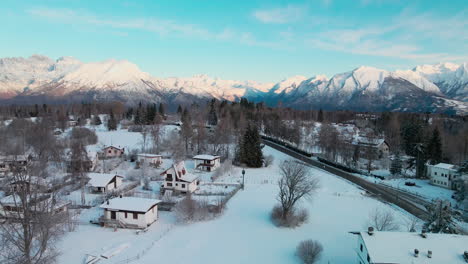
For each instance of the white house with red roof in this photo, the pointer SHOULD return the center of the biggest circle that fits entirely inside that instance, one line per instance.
(177, 178)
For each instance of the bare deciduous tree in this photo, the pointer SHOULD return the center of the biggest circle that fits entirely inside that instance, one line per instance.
(382, 220)
(295, 183)
(309, 251)
(31, 222)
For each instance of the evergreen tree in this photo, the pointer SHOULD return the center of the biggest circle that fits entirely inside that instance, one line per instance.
(97, 120)
(137, 119)
(434, 148)
(440, 218)
(411, 134)
(320, 116)
(212, 116)
(162, 111)
(179, 111)
(251, 150)
(396, 165)
(112, 122)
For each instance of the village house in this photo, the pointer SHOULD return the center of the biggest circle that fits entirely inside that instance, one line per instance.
(113, 152)
(380, 146)
(130, 212)
(151, 159)
(104, 182)
(28, 183)
(11, 206)
(376, 247)
(207, 162)
(7, 163)
(444, 175)
(177, 178)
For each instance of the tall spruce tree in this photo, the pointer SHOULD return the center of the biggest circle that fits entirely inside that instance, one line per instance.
(434, 147)
(212, 116)
(320, 116)
(112, 122)
(396, 165)
(162, 111)
(251, 150)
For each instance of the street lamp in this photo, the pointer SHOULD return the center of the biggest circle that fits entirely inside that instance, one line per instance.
(243, 175)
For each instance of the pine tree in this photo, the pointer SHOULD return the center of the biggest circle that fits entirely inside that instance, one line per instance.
(251, 150)
(212, 116)
(137, 119)
(434, 148)
(320, 116)
(411, 134)
(440, 218)
(395, 167)
(179, 111)
(112, 122)
(162, 111)
(97, 120)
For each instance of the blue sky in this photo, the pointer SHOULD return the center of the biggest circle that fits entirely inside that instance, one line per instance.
(261, 40)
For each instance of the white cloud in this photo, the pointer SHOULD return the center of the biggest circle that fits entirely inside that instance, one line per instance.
(280, 15)
(406, 36)
(161, 27)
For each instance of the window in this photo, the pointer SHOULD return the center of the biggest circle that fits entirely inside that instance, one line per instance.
(110, 151)
(183, 185)
(135, 216)
(169, 184)
(176, 184)
(125, 214)
(361, 247)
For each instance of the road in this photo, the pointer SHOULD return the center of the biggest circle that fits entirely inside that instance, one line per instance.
(410, 203)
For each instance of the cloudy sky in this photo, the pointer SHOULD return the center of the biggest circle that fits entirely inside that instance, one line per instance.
(262, 40)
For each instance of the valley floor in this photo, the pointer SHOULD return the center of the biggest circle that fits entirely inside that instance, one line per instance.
(244, 233)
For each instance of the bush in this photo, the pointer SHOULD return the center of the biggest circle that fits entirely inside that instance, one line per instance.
(86, 136)
(309, 251)
(294, 219)
(268, 160)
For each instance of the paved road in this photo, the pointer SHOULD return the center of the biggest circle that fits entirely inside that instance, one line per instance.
(408, 202)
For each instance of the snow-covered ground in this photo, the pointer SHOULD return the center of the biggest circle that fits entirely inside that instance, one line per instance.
(244, 233)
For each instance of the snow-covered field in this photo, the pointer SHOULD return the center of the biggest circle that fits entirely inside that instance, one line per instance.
(244, 233)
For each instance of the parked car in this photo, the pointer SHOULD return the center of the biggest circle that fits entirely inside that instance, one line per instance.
(408, 183)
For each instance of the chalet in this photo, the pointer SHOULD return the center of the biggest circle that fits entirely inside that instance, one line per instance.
(151, 159)
(178, 179)
(130, 212)
(207, 162)
(34, 182)
(444, 175)
(113, 152)
(103, 182)
(7, 163)
(380, 146)
(375, 247)
(11, 206)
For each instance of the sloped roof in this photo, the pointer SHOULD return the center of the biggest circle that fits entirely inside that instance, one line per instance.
(205, 157)
(445, 166)
(100, 179)
(398, 247)
(133, 204)
(147, 155)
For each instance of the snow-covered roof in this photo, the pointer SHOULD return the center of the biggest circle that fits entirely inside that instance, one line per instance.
(13, 158)
(188, 177)
(133, 204)
(398, 247)
(205, 157)
(111, 146)
(368, 141)
(100, 179)
(147, 155)
(445, 166)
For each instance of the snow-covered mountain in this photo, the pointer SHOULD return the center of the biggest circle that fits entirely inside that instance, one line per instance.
(439, 87)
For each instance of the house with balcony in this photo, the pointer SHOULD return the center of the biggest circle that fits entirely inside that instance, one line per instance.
(207, 162)
(177, 178)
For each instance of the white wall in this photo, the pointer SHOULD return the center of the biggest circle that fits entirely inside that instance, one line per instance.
(144, 219)
(442, 177)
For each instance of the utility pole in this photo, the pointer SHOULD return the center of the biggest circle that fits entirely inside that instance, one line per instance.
(243, 176)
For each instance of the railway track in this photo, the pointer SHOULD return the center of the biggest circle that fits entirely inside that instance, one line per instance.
(408, 202)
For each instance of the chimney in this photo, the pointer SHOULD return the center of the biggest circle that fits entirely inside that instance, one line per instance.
(429, 253)
(370, 230)
(423, 233)
(416, 252)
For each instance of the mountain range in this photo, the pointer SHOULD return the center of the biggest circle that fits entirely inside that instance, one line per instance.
(440, 87)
